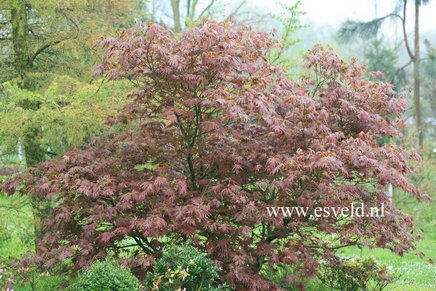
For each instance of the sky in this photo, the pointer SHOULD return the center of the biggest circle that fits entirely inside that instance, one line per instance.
(334, 12)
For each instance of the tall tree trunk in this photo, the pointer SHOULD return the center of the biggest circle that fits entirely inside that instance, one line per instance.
(193, 9)
(175, 5)
(188, 9)
(34, 154)
(416, 78)
(19, 38)
(33, 151)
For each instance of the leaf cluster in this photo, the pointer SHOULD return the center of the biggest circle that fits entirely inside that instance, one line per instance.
(106, 275)
(357, 274)
(183, 267)
(68, 113)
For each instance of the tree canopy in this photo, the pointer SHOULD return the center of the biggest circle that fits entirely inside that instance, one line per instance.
(216, 135)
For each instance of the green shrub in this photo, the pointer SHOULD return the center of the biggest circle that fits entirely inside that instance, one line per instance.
(46, 281)
(288, 278)
(106, 276)
(183, 266)
(11, 279)
(353, 274)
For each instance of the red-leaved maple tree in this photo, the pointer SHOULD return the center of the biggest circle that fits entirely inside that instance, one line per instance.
(216, 134)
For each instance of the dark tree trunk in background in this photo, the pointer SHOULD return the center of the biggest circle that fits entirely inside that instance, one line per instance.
(188, 9)
(34, 152)
(415, 58)
(19, 38)
(365, 29)
(175, 5)
(416, 78)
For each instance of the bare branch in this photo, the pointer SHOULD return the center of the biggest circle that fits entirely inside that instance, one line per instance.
(403, 22)
(53, 43)
(207, 8)
(362, 29)
(403, 67)
(235, 12)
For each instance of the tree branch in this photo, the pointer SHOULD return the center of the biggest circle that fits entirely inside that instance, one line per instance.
(188, 10)
(206, 9)
(403, 67)
(406, 41)
(140, 244)
(125, 246)
(42, 49)
(236, 9)
(53, 43)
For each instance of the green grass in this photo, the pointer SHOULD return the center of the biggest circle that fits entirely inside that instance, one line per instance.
(416, 273)
(10, 160)
(15, 226)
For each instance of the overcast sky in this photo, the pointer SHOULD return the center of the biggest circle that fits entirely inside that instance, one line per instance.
(334, 12)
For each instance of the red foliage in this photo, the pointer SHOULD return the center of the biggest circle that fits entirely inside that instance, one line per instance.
(221, 134)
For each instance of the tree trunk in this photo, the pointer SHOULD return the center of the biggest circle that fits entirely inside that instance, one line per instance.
(193, 9)
(175, 5)
(19, 38)
(416, 79)
(34, 153)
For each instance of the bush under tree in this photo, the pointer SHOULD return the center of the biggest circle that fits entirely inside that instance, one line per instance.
(352, 274)
(183, 267)
(107, 276)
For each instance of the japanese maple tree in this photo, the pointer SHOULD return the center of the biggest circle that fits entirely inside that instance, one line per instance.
(217, 134)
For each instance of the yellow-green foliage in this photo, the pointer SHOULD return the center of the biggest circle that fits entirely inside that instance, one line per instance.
(68, 112)
(63, 35)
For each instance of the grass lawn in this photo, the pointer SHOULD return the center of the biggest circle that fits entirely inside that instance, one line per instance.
(416, 273)
(16, 227)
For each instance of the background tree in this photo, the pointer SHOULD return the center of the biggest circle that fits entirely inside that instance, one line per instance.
(429, 83)
(38, 36)
(380, 57)
(42, 40)
(219, 134)
(363, 29)
(180, 14)
(69, 113)
(289, 23)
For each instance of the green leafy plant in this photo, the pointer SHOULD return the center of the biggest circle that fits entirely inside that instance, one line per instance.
(356, 274)
(105, 275)
(287, 277)
(67, 113)
(380, 57)
(289, 23)
(183, 266)
(11, 278)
